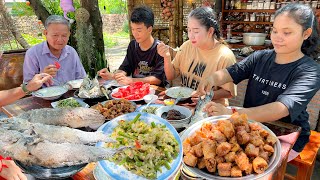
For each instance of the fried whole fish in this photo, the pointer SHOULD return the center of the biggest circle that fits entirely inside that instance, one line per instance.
(33, 151)
(71, 117)
(56, 134)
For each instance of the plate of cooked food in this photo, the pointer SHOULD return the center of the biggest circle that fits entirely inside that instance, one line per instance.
(156, 151)
(179, 92)
(70, 102)
(133, 92)
(229, 147)
(150, 109)
(113, 108)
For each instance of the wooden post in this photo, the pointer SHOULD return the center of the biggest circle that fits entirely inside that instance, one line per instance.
(180, 22)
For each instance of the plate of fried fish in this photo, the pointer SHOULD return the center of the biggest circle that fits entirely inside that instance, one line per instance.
(229, 147)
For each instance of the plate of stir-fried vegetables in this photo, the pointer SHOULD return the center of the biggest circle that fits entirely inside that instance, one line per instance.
(156, 151)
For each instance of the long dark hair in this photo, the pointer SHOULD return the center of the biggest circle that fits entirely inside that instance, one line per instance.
(207, 17)
(303, 15)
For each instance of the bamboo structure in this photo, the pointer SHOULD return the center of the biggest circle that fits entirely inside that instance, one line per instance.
(172, 32)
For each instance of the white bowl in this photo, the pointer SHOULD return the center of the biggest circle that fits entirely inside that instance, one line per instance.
(50, 93)
(149, 97)
(182, 92)
(75, 83)
(176, 123)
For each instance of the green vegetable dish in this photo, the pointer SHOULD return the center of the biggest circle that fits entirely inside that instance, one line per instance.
(68, 103)
(150, 109)
(154, 147)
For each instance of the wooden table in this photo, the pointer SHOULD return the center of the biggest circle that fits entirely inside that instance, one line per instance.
(287, 133)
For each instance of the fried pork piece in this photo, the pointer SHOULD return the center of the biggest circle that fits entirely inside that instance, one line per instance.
(226, 127)
(269, 149)
(242, 160)
(190, 160)
(233, 140)
(211, 164)
(196, 138)
(248, 169)
(197, 150)
(255, 138)
(271, 139)
(217, 136)
(223, 149)
(224, 169)
(255, 126)
(239, 120)
(209, 149)
(263, 133)
(201, 163)
(230, 157)
(264, 155)
(259, 165)
(235, 147)
(251, 150)
(206, 127)
(186, 146)
(243, 137)
(236, 171)
(219, 159)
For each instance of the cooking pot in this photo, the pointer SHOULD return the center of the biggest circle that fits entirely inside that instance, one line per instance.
(254, 39)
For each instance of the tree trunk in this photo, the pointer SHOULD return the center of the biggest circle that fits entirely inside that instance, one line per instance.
(39, 10)
(96, 21)
(11, 26)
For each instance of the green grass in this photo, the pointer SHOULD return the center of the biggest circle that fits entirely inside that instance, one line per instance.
(111, 40)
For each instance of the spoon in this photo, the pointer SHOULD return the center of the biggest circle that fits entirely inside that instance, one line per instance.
(151, 101)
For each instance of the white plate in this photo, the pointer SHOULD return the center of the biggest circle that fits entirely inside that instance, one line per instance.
(109, 170)
(75, 83)
(183, 92)
(50, 93)
(152, 91)
(83, 104)
(110, 83)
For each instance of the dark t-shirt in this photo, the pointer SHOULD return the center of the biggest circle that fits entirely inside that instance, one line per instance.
(140, 64)
(293, 84)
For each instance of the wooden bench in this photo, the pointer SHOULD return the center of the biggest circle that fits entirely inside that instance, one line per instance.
(307, 158)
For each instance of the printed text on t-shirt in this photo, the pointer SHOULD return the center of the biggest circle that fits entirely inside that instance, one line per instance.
(187, 80)
(269, 82)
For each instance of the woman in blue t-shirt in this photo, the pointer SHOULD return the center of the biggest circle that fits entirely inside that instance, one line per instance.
(282, 81)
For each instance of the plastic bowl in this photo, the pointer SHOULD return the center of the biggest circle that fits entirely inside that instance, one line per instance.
(150, 97)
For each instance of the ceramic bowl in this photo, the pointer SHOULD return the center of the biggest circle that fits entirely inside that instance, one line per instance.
(176, 123)
(50, 93)
(75, 84)
(150, 97)
(182, 92)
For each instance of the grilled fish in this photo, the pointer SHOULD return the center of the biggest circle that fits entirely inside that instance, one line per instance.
(71, 117)
(31, 150)
(56, 134)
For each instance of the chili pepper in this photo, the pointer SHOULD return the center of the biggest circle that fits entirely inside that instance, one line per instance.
(138, 145)
(57, 65)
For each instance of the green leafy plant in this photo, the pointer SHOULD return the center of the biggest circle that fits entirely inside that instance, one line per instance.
(21, 9)
(33, 40)
(113, 6)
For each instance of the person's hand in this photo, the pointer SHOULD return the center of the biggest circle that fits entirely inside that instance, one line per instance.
(123, 79)
(12, 172)
(205, 86)
(38, 80)
(105, 74)
(216, 109)
(163, 50)
(51, 69)
(195, 96)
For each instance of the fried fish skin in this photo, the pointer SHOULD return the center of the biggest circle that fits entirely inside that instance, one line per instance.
(33, 151)
(71, 117)
(57, 134)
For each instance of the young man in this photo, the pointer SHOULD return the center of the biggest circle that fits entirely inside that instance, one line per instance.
(142, 62)
(54, 56)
